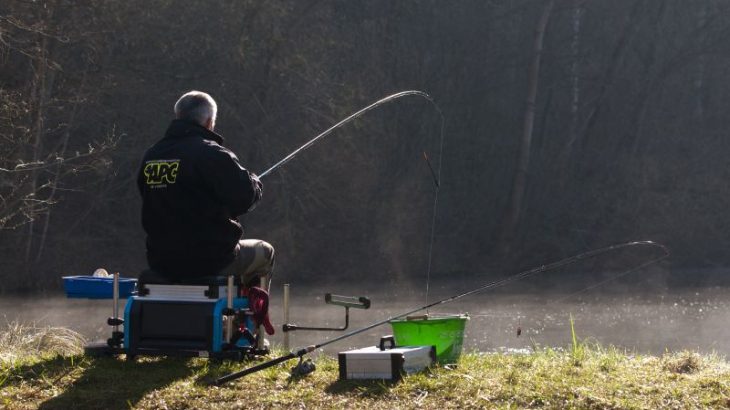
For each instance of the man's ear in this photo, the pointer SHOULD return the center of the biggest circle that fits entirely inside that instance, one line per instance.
(210, 124)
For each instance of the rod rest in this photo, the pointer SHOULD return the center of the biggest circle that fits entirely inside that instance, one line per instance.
(347, 301)
(357, 302)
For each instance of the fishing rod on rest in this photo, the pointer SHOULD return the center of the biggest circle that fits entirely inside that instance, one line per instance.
(350, 118)
(491, 285)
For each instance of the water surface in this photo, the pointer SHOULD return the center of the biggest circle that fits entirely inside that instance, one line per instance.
(695, 319)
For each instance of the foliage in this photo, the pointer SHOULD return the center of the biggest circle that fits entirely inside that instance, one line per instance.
(628, 142)
(19, 341)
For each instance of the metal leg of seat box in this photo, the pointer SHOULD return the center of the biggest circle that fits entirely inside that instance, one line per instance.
(115, 321)
(229, 310)
(265, 281)
(286, 315)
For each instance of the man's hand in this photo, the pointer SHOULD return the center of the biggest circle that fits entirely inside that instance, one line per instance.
(258, 189)
(256, 181)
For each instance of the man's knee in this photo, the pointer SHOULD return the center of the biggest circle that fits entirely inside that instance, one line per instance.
(268, 251)
(256, 256)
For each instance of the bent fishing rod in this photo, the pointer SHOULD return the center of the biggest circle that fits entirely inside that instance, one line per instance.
(491, 285)
(350, 118)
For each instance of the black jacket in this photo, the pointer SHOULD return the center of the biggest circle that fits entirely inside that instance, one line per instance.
(193, 189)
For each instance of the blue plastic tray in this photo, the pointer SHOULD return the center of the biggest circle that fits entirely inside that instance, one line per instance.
(92, 287)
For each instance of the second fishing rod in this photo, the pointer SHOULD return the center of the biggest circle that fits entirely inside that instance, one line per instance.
(491, 285)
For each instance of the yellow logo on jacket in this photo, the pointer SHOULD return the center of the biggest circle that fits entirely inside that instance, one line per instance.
(161, 172)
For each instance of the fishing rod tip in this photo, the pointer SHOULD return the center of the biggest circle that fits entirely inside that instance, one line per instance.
(651, 243)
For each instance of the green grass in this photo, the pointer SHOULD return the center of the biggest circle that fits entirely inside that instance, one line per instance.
(57, 376)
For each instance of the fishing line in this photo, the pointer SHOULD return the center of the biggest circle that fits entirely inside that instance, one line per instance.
(437, 184)
(611, 278)
(491, 285)
(435, 174)
(519, 316)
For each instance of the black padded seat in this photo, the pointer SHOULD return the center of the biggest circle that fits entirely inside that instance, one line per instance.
(151, 277)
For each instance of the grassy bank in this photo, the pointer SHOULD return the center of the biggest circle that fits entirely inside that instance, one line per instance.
(43, 368)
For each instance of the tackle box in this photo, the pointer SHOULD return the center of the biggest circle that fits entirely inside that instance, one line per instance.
(94, 287)
(385, 362)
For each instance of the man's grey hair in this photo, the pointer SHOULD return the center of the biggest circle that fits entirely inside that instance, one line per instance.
(196, 106)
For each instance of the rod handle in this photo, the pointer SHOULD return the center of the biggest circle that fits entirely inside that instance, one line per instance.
(237, 375)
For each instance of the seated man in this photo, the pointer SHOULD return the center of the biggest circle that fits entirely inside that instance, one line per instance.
(193, 189)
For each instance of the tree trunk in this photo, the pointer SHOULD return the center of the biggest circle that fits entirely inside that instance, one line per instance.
(566, 154)
(699, 81)
(574, 69)
(519, 182)
(617, 55)
(43, 82)
(41, 92)
(57, 175)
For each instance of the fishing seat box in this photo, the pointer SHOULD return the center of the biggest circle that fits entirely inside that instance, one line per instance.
(178, 317)
(385, 362)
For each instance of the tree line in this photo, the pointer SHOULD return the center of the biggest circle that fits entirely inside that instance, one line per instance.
(569, 124)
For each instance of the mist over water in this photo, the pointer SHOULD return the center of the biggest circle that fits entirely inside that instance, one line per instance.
(673, 320)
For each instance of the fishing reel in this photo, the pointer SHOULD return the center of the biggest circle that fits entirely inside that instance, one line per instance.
(303, 368)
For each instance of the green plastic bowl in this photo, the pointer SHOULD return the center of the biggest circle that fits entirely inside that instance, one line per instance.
(444, 332)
